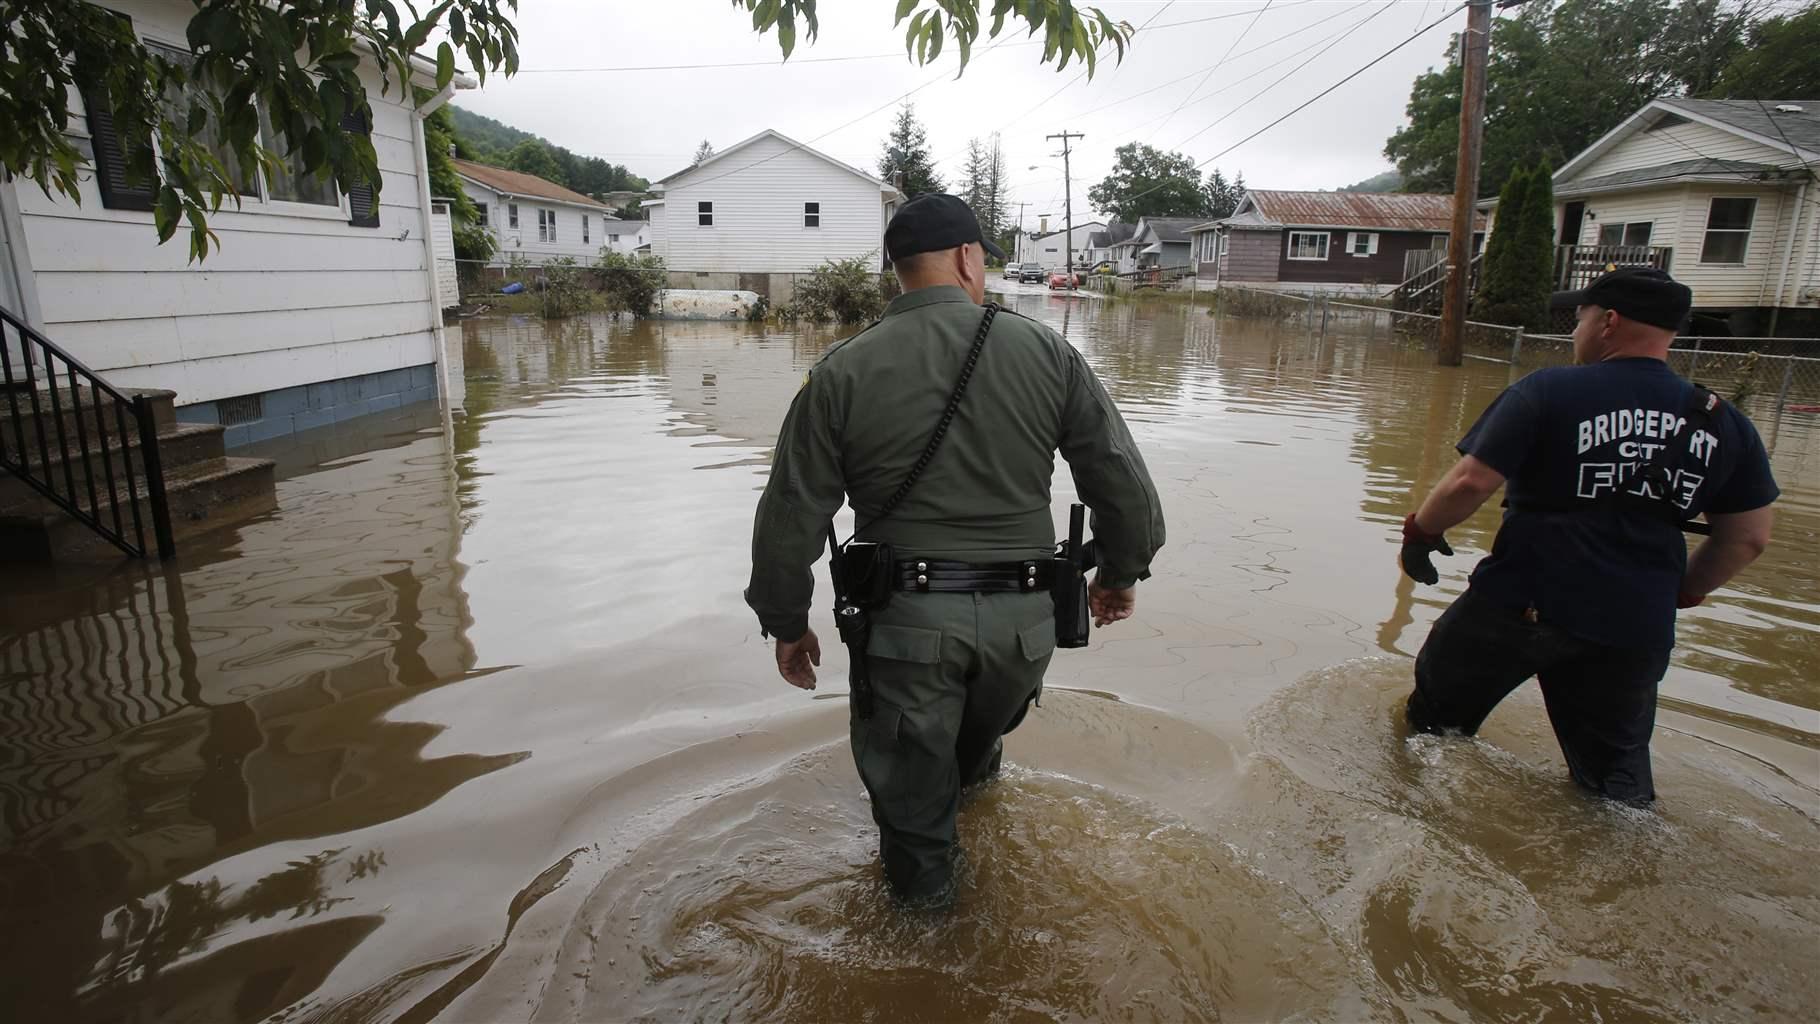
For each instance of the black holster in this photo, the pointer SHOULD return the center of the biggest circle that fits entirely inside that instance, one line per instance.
(862, 585)
(1074, 557)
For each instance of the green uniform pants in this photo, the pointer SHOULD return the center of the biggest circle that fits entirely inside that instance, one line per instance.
(951, 673)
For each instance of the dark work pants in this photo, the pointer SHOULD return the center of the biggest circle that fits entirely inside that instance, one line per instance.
(1601, 699)
(951, 673)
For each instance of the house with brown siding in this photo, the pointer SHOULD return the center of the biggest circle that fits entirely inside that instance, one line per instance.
(1355, 243)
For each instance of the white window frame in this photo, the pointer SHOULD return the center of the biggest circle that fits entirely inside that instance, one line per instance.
(1707, 232)
(263, 202)
(486, 212)
(704, 208)
(1222, 245)
(552, 227)
(543, 225)
(612, 238)
(1352, 243)
(1326, 238)
(584, 229)
(1624, 232)
(512, 216)
(812, 215)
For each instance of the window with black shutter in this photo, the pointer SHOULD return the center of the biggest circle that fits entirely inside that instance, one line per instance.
(117, 193)
(363, 200)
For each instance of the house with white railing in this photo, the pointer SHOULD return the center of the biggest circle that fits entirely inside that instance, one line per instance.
(1720, 193)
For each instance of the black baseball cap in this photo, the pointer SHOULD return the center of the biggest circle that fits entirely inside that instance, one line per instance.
(1643, 294)
(933, 222)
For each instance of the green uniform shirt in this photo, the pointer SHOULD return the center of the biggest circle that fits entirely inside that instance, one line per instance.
(865, 413)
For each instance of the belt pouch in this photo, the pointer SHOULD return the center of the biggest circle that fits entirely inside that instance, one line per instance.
(869, 566)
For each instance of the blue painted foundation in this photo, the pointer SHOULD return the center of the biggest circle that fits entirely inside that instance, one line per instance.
(308, 406)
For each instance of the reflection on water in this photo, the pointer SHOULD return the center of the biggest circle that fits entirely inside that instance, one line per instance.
(477, 727)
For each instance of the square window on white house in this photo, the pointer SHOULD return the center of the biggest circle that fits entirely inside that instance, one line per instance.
(704, 214)
(1634, 233)
(812, 215)
(175, 105)
(290, 182)
(584, 229)
(612, 238)
(1308, 245)
(1362, 243)
(1728, 223)
(511, 215)
(480, 213)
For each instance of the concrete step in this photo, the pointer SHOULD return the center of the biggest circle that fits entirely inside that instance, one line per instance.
(203, 496)
(20, 428)
(179, 445)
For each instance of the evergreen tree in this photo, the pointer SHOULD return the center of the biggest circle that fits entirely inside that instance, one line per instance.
(1223, 196)
(994, 218)
(1532, 265)
(1491, 302)
(702, 152)
(973, 177)
(905, 161)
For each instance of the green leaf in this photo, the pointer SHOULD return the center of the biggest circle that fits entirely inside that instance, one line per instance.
(1035, 17)
(458, 27)
(914, 33)
(167, 213)
(936, 34)
(786, 33)
(445, 66)
(904, 7)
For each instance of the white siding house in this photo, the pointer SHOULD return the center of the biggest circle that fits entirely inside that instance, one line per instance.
(626, 235)
(316, 306)
(534, 218)
(766, 206)
(1048, 249)
(1721, 192)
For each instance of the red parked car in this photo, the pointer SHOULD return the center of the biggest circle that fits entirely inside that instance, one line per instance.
(1058, 279)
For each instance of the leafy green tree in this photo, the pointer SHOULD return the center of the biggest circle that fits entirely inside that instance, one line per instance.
(533, 157)
(294, 67)
(1147, 182)
(472, 239)
(1782, 60)
(1389, 181)
(630, 283)
(1562, 73)
(905, 160)
(1069, 32)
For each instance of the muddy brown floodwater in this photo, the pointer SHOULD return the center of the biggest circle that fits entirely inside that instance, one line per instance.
(476, 728)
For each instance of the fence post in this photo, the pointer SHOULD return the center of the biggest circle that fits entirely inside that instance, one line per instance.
(1695, 363)
(1788, 378)
(1516, 346)
(154, 475)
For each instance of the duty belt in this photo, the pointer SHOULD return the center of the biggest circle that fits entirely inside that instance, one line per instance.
(930, 576)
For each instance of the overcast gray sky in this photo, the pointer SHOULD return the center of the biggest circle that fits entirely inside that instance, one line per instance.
(652, 120)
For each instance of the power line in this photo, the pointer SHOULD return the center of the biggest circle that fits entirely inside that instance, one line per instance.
(1215, 66)
(1374, 62)
(1287, 75)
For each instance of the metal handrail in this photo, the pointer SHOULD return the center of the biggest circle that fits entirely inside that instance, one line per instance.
(34, 384)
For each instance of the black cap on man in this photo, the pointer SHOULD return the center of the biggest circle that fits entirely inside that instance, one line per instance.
(933, 222)
(1643, 294)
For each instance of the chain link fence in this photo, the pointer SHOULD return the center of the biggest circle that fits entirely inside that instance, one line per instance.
(559, 288)
(1776, 381)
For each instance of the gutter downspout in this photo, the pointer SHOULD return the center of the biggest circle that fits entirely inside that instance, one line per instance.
(1788, 258)
(419, 139)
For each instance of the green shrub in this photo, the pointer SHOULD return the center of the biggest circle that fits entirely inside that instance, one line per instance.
(565, 289)
(630, 284)
(842, 292)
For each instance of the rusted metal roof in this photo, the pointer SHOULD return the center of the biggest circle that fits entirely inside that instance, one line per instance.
(1385, 211)
(518, 183)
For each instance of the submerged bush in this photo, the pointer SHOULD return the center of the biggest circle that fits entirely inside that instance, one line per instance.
(840, 291)
(630, 284)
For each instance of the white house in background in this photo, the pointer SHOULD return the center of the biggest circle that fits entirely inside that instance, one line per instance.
(759, 211)
(317, 306)
(627, 236)
(1048, 249)
(534, 218)
(1720, 192)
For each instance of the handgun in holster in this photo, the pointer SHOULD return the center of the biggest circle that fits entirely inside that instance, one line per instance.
(1074, 558)
(862, 585)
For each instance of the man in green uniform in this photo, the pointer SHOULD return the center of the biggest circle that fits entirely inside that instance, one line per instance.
(958, 652)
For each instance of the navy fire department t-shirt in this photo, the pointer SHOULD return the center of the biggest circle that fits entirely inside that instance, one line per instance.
(1607, 572)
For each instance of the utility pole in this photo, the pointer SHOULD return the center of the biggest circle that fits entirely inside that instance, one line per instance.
(1017, 241)
(1475, 49)
(1068, 208)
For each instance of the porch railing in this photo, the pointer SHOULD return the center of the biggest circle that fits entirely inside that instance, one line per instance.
(1577, 265)
(63, 430)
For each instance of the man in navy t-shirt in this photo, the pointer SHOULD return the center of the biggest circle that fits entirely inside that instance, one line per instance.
(1604, 461)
